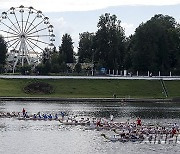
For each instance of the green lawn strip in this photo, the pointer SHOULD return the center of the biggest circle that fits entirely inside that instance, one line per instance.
(91, 88)
(173, 88)
(11, 87)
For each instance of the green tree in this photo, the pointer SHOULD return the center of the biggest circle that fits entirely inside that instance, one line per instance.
(25, 70)
(109, 42)
(63, 67)
(43, 69)
(46, 55)
(155, 44)
(85, 49)
(55, 62)
(78, 68)
(3, 51)
(66, 49)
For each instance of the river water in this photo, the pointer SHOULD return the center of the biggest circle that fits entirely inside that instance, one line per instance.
(51, 137)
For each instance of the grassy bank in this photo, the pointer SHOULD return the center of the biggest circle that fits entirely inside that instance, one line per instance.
(77, 88)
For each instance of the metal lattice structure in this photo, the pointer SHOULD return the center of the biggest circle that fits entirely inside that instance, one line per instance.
(27, 33)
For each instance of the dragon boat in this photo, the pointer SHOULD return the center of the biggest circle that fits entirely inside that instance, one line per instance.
(143, 139)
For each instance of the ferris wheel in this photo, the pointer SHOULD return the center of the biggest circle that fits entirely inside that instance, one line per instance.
(28, 33)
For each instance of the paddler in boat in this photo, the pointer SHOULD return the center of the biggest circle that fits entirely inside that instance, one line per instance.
(34, 116)
(111, 117)
(50, 117)
(39, 115)
(98, 123)
(176, 126)
(138, 122)
(56, 116)
(24, 112)
(26, 115)
(62, 114)
(44, 116)
(123, 134)
(173, 132)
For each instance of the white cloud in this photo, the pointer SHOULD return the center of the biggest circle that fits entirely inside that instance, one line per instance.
(129, 28)
(59, 21)
(79, 5)
(61, 27)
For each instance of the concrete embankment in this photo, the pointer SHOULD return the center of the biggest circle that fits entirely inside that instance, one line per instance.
(85, 99)
(108, 77)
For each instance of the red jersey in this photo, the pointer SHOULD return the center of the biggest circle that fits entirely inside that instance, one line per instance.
(98, 123)
(173, 131)
(139, 122)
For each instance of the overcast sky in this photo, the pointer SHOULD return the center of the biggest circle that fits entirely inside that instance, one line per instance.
(77, 16)
(81, 5)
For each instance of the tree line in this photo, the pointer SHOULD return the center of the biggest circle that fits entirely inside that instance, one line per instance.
(154, 47)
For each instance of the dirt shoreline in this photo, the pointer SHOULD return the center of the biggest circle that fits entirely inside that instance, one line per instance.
(88, 99)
